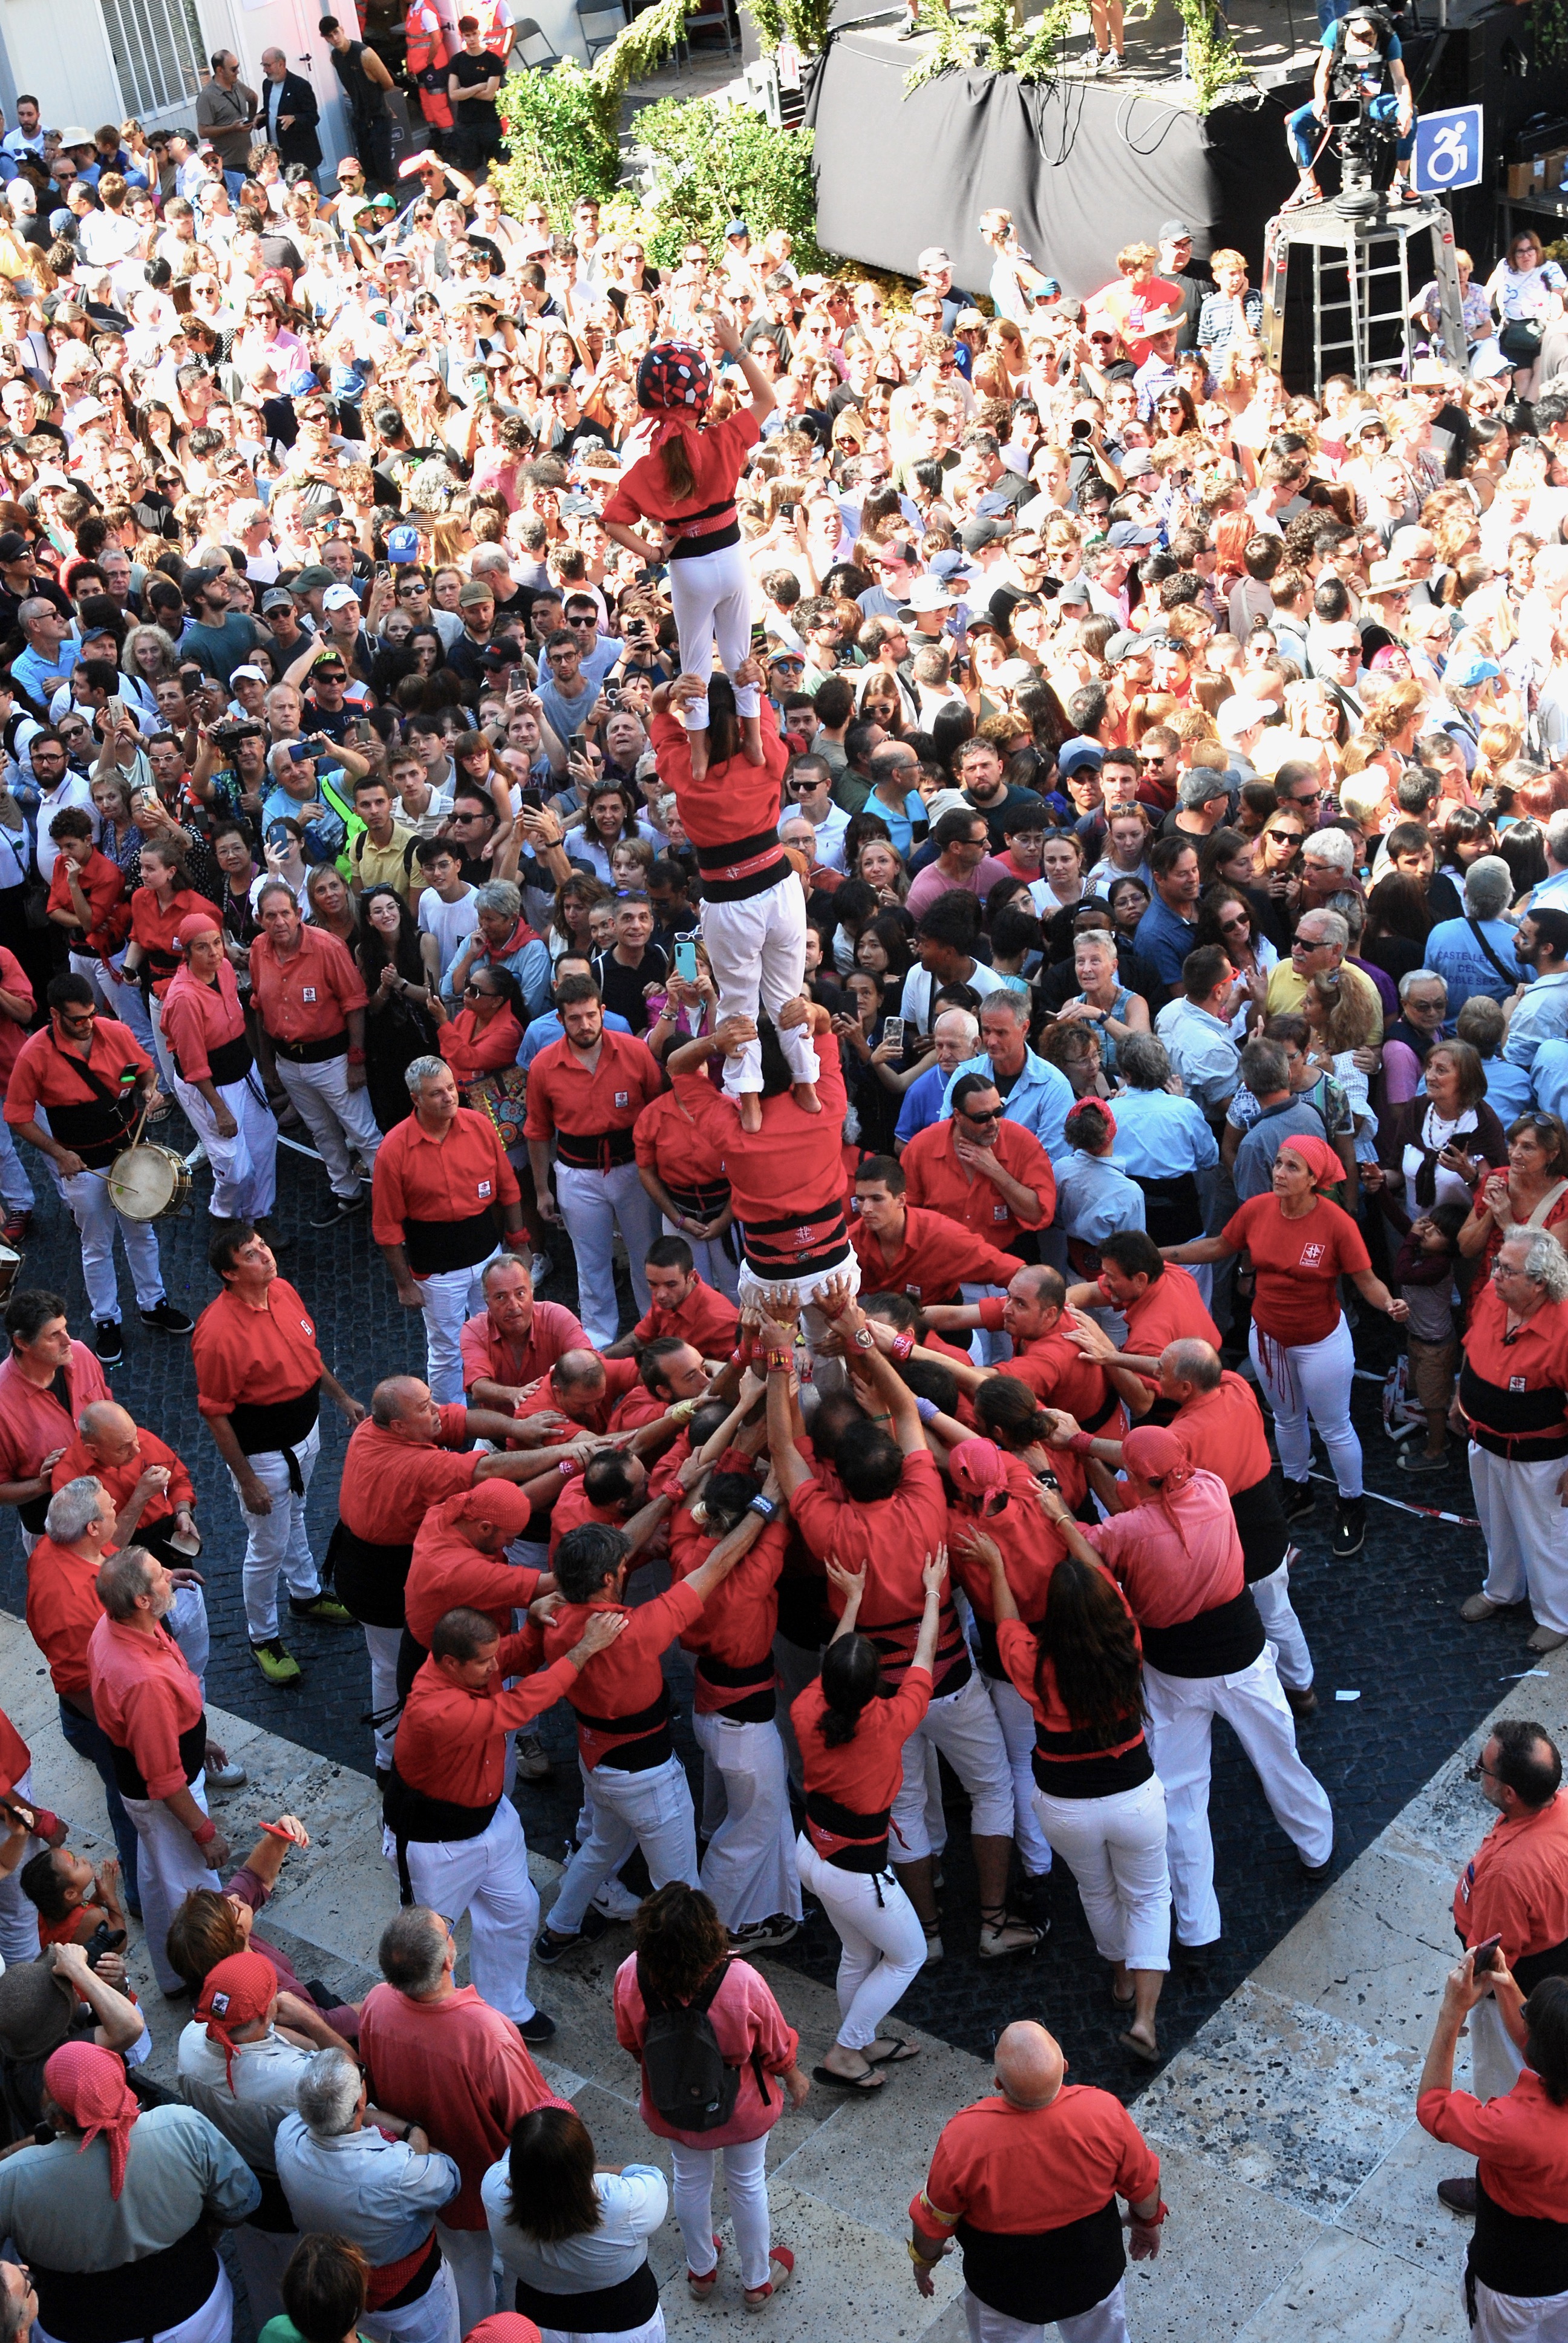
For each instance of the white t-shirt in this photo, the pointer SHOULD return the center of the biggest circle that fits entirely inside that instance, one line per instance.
(451, 924)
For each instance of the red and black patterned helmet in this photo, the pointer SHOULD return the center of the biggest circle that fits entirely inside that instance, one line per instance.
(675, 378)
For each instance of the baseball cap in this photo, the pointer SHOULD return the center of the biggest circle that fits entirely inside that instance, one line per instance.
(403, 545)
(1125, 533)
(976, 535)
(1127, 644)
(1174, 232)
(314, 575)
(13, 545)
(340, 598)
(1238, 714)
(251, 674)
(1080, 750)
(1200, 786)
(933, 256)
(555, 382)
(736, 228)
(1468, 668)
(474, 593)
(280, 598)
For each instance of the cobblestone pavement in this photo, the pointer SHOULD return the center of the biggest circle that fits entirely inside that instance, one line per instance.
(1384, 1627)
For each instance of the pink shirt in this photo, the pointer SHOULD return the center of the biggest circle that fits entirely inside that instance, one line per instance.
(933, 880)
(145, 1697)
(1172, 1574)
(33, 1421)
(745, 2017)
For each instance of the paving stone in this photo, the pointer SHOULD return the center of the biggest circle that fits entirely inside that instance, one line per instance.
(1221, 2251)
(1346, 2291)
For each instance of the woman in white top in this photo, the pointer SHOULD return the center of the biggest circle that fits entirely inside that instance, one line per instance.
(1527, 292)
(573, 2240)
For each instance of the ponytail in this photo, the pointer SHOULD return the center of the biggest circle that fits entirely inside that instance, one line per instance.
(1088, 1637)
(678, 478)
(851, 1672)
(1009, 1411)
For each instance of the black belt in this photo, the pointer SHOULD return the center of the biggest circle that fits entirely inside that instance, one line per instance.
(310, 1053)
(594, 1151)
(135, 2298)
(1218, 1641)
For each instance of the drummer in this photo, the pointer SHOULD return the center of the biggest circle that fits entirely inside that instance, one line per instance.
(204, 1025)
(74, 1093)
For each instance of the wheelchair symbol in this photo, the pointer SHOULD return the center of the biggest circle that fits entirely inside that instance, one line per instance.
(1448, 155)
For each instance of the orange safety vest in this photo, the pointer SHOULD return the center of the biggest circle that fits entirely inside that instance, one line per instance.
(428, 57)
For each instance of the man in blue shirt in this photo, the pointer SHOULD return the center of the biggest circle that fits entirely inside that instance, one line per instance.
(1167, 932)
(1475, 954)
(49, 657)
(1033, 1093)
(541, 1031)
(955, 1036)
(1541, 944)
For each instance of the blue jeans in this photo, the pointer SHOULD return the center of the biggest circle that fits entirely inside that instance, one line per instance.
(89, 1740)
(1305, 132)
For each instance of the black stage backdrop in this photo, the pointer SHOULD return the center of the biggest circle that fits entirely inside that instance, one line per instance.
(1084, 167)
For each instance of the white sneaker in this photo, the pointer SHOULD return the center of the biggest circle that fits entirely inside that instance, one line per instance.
(540, 1267)
(1113, 61)
(616, 1902)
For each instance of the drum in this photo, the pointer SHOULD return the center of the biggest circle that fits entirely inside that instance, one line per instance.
(10, 1270)
(149, 1182)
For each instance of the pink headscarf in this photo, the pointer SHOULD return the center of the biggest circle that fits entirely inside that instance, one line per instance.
(1150, 1453)
(1319, 1157)
(979, 1467)
(87, 2083)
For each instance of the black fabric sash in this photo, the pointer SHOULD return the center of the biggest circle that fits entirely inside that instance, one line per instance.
(138, 2298)
(1534, 1419)
(1045, 2274)
(646, 1730)
(1172, 1208)
(594, 1151)
(752, 1697)
(699, 1204)
(712, 862)
(1217, 1643)
(94, 1128)
(1102, 1774)
(129, 1783)
(1261, 1526)
(1513, 2253)
(369, 1579)
(262, 1426)
(602, 2310)
(433, 1246)
(310, 1053)
(410, 1813)
(870, 1831)
(1531, 1967)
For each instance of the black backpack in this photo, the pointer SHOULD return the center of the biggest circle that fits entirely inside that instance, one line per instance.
(688, 2079)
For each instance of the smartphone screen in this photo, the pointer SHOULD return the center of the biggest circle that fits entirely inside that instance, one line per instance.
(893, 1029)
(686, 958)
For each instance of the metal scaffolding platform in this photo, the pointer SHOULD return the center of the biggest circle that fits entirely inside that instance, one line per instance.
(1363, 284)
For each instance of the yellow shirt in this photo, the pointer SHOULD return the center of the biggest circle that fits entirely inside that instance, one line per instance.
(1287, 990)
(382, 866)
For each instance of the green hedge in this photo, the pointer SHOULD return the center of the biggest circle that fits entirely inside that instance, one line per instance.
(714, 163)
(559, 137)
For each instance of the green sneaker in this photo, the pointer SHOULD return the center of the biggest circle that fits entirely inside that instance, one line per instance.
(279, 1667)
(324, 1608)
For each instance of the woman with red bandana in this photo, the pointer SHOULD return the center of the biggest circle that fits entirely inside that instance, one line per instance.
(1300, 1245)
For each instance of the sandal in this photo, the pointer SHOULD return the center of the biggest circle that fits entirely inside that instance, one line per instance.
(897, 2055)
(869, 2081)
(781, 2261)
(1141, 2050)
(699, 2289)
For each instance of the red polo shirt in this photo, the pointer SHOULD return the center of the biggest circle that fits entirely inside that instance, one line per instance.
(452, 1742)
(419, 1178)
(14, 978)
(308, 996)
(389, 1480)
(579, 1110)
(624, 1686)
(619, 1377)
(935, 1178)
(1164, 1312)
(199, 1018)
(102, 883)
(937, 1256)
(255, 1357)
(1059, 1375)
(460, 2070)
(1222, 1432)
(705, 1319)
(487, 1356)
(33, 1422)
(145, 1697)
(734, 1636)
(154, 931)
(62, 1609)
(669, 1144)
(786, 1180)
(45, 1075)
(120, 1480)
(1516, 1884)
(1012, 2172)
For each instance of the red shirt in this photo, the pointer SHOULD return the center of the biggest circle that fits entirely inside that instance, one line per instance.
(669, 1144)
(1530, 1369)
(62, 1609)
(102, 883)
(154, 931)
(470, 1053)
(864, 1773)
(572, 1509)
(935, 1259)
(707, 1320)
(459, 2070)
(255, 1357)
(488, 1357)
(120, 1480)
(1164, 1312)
(716, 454)
(1222, 1432)
(390, 1481)
(730, 813)
(452, 1742)
(15, 1754)
(890, 1538)
(45, 1075)
(786, 1180)
(447, 1571)
(1298, 1265)
(1059, 1375)
(1174, 1571)
(738, 1626)
(935, 1178)
(579, 1108)
(199, 1018)
(308, 996)
(1516, 1884)
(1033, 1674)
(1521, 2142)
(1030, 1541)
(454, 1178)
(33, 1421)
(626, 1682)
(145, 1697)
(621, 1376)
(14, 978)
(1013, 2171)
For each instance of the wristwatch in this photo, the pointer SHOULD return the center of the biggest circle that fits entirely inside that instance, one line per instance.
(864, 1339)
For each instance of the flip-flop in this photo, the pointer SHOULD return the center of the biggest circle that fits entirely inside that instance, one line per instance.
(1141, 2050)
(871, 2081)
(899, 2055)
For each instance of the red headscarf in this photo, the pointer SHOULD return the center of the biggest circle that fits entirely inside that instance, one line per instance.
(1101, 1105)
(1153, 1454)
(674, 380)
(505, 2327)
(979, 1467)
(87, 2083)
(1319, 1157)
(195, 924)
(239, 1990)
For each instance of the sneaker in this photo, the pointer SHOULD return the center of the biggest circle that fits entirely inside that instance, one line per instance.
(550, 1948)
(272, 1236)
(165, 1319)
(197, 1158)
(764, 1936)
(533, 1766)
(227, 1776)
(1459, 2196)
(1350, 1528)
(616, 1902)
(536, 2029)
(16, 1227)
(1417, 1460)
(540, 1265)
(107, 1341)
(1475, 1607)
(1300, 1501)
(1096, 64)
(1112, 62)
(336, 1209)
(1316, 1870)
(998, 1940)
(781, 2268)
(324, 1608)
(279, 1667)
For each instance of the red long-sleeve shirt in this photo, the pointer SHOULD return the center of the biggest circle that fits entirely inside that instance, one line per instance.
(1521, 2142)
(454, 1178)
(1222, 1432)
(459, 2070)
(890, 1539)
(935, 1179)
(705, 1319)
(622, 1689)
(119, 1480)
(62, 1609)
(255, 1357)
(390, 1482)
(734, 1636)
(102, 883)
(936, 1257)
(731, 815)
(487, 1355)
(447, 1571)
(14, 978)
(145, 1697)
(452, 1742)
(307, 995)
(786, 1180)
(201, 1016)
(862, 1774)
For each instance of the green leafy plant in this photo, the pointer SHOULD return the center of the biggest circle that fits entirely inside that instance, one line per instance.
(1551, 25)
(991, 42)
(712, 164)
(803, 23)
(562, 128)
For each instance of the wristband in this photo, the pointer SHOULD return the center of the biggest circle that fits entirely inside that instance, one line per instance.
(903, 1346)
(1156, 2219)
(1081, 1444)
(355, 1057)
(764, 1507)
(206, 1832)
(780, 1363)
(515, 1239)
(928, 1409)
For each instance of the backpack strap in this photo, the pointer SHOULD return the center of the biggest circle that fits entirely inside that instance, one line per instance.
(1475, 930)
(707, 1991)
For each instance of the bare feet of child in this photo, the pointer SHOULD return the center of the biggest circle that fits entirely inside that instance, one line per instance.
(751, 1109)
(806, 1098)
(697, 748)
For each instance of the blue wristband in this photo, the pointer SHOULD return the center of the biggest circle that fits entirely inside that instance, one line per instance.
(928, 1408)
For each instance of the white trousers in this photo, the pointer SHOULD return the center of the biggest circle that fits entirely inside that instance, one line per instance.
(710, 595)
(471, 2258)
(1495, 2065)
(1016, 1719)
(16, 1188)
(1106, 2322)
(152, 1014)
(434, 2319)
(340, 1120)
(963, 1725)
(593, 1205)
(757, 949)
(452, 1296)
(1315, 1381)
(188, 1623)
(709, 1258)
(1181, 1710)
(1115, 1848)
(383, 1644)
(756, 1293)
(652, 2330)
(1525, 1525)
(884, 1945)
(1519, 2318)
(748, 1869)
(169, 1864)
(278, 1541)
(213, 2323)
(244, 1168)
(745, 2185)
(651, 1810)
(87, 1197)
(487, 1878)
(1282, 1626)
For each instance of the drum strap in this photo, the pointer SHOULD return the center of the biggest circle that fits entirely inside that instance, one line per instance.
(119, 1109)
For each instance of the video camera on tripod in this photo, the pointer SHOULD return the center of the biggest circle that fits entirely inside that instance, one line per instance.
(1366, 146)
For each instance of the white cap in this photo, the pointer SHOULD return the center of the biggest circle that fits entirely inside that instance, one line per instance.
(1238, 714)
(340, 598)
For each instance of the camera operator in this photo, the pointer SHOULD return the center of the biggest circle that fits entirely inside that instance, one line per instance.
(1359, 63)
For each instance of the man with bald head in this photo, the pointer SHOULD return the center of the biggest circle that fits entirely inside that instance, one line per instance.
(289, 112)
(1028, 2181)
(147, 1482)
(406, 1457)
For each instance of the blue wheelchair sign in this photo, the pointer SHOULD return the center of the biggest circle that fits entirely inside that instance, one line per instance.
(1448, 150)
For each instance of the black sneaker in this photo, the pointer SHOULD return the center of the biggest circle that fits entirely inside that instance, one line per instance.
(165, 1319)
(1299, 1500)
(550, 1948)
(107, 1341)
(764, 1936)
(536, 2029)
(1350, 1528)
(336, 1209)
(275, 1239)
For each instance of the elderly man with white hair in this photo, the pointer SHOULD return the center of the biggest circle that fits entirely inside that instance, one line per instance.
(1514, 1395)
(341, 2173)
(1475, 954)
